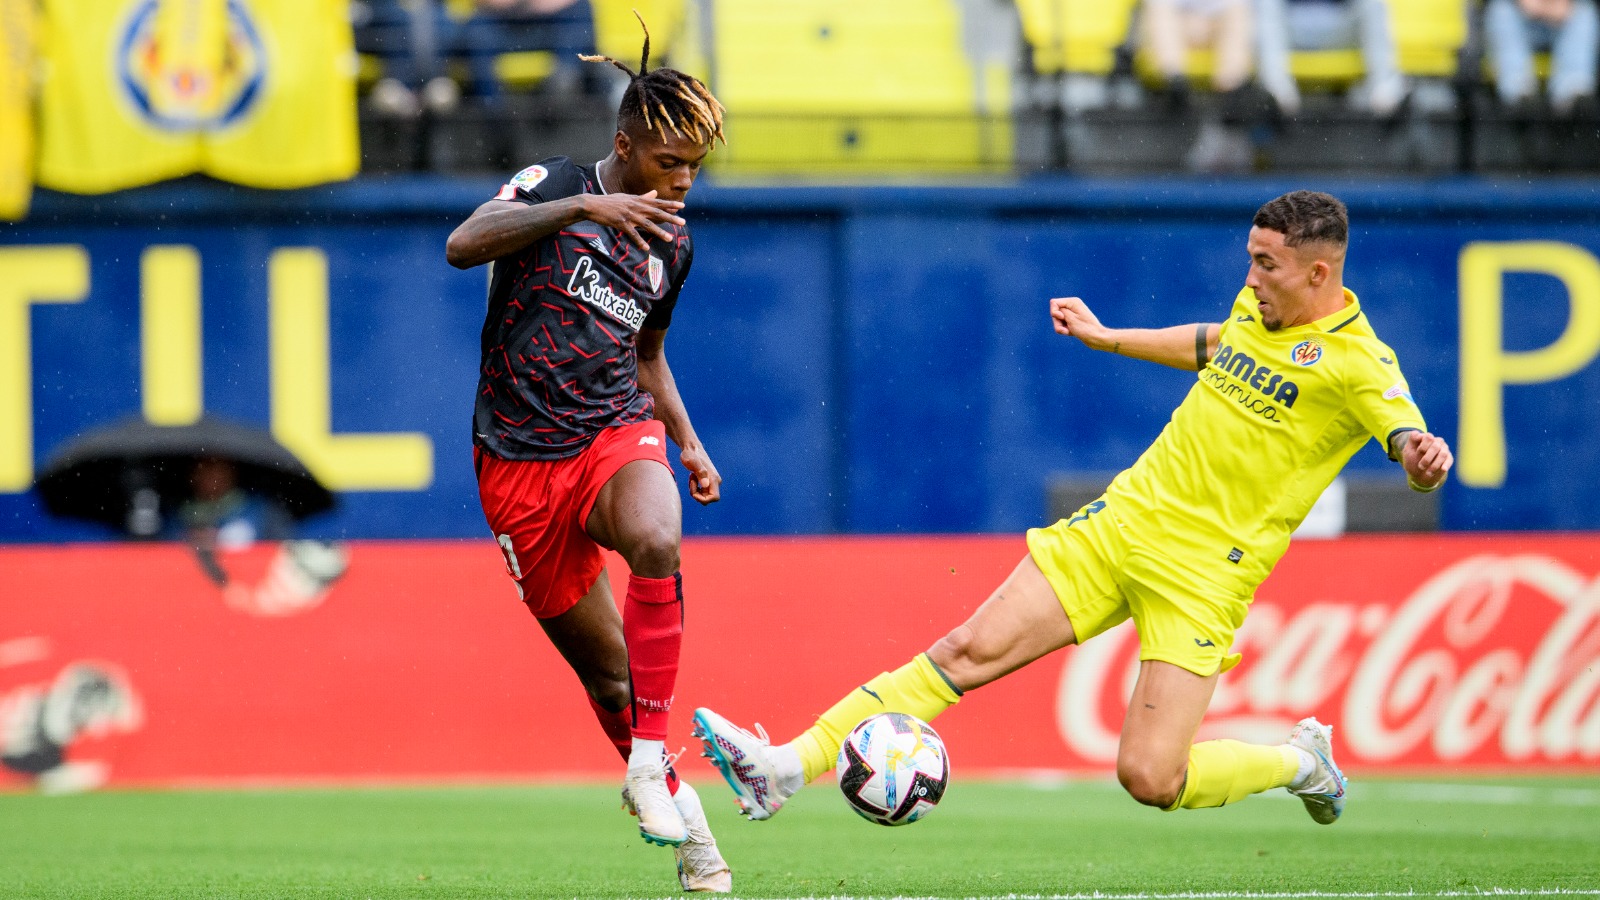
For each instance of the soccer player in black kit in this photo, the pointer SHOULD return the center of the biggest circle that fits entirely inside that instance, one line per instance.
(575, 400)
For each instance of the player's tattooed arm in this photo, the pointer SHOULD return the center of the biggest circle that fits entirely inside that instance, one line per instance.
(1180, 346)
(501, 227)
(655, 378)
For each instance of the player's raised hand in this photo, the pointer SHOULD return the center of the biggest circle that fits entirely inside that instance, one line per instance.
(705, 483)
(1426, 459)
(1071, 316)
(632, 214)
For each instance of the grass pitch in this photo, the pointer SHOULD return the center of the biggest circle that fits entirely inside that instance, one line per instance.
(1528, 837)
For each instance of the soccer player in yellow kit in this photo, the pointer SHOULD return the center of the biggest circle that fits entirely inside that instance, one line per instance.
(1289, 387)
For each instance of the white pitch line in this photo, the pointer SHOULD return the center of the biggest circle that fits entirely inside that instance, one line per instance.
(1239, 895)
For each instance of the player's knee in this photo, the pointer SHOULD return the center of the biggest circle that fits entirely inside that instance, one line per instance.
(610, 693)
(1149, 784)
(653, 551)
(964, 649)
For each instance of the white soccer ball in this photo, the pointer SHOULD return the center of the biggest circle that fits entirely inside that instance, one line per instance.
(893, 768)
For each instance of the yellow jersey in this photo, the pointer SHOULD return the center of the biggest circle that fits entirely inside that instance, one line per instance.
(1268, 425)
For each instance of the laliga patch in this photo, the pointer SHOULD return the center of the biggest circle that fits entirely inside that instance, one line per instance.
(1306, 353)
(529, 178)
(656, 267)
(1399, 390)
(526, 180)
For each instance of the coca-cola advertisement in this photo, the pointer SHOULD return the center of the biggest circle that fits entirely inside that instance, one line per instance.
(124, 665)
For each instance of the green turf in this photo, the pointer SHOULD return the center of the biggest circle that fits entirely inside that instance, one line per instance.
(987, 840)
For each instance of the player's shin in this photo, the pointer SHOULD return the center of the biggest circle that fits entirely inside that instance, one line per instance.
(1223, 772)
(918, 688)
(652, 628)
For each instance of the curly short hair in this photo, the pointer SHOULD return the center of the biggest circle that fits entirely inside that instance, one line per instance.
(1306, 217)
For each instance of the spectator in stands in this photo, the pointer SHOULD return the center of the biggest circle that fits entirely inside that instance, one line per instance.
(1568, 29)
(1173, 27)
(1170, 29)
(563, 27)
(410, 38)
(1287, 25)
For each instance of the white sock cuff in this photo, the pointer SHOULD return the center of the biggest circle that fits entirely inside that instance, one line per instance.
(791, 774)
(646, 753)
(1308, 764)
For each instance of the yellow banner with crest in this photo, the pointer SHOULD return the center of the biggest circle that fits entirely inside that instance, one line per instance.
(259, 92)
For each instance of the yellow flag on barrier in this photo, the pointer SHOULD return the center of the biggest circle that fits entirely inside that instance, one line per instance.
(261, 92)
(303, 129)
(16, 113)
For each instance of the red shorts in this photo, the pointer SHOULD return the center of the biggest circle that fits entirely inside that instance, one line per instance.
(537, 510)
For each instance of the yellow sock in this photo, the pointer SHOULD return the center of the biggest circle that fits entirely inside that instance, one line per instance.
(918, 688)
(1223, 772)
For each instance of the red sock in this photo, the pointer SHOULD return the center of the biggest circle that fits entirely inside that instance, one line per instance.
(619, 731)
(652, 627)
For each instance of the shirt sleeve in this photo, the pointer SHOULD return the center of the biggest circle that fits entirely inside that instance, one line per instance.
(1379, 396)
(550, 179)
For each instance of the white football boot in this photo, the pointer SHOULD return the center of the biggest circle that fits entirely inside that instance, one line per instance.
(746, 762)
(1324, 789)
(646, 795)
(701, 868)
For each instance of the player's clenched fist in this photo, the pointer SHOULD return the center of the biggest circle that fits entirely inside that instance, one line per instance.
(1426, 459)
(1071, 316)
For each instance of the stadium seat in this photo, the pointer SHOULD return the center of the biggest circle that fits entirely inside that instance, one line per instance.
(617, 32)
(1075, 36)
(617, 35)
(840, 85)
(1428, 35)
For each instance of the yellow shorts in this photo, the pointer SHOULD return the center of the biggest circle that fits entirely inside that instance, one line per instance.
(1103, 576)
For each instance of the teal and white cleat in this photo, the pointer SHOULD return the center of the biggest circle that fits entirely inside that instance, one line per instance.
(1324, 790)
(701, 868)
(746, 763)
(645, 792)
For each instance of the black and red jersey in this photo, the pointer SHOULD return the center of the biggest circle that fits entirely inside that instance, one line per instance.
(559, 356)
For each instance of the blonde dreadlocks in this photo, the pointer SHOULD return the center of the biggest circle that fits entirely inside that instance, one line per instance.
(659, 99)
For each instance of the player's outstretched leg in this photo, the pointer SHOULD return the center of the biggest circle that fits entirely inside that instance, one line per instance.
(762, 776)
(1322, 787)
(701, 868)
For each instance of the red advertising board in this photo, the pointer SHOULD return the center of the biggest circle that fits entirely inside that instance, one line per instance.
(128, 663)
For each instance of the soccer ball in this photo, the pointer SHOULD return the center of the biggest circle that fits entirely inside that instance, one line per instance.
(893, 768)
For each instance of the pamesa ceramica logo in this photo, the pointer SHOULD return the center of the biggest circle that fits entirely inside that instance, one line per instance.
(178, 79)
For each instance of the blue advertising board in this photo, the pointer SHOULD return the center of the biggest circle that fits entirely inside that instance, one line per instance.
(856, 359)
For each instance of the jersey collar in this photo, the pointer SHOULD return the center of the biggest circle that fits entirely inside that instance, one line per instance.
(1346, 316)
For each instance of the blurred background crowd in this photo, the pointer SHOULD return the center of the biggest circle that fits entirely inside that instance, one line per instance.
(1213, 86)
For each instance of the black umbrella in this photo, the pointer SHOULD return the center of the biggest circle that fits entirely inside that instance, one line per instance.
(107, 474)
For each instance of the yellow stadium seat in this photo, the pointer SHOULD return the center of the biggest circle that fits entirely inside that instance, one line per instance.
(840, 85)
(617, 33)
(1428, 34)
(1075, 36)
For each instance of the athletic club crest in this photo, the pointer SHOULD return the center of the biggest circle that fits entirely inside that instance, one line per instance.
(656, 267)
(1306, 353)
(178, 80)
